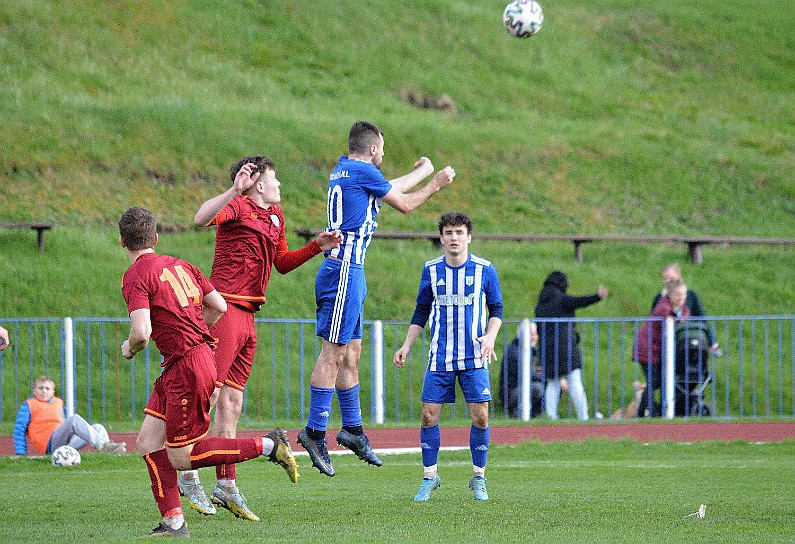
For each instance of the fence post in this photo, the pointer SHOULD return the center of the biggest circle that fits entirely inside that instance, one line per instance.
(378, 355)
(524, 354)
(69, 366)
(668, 400)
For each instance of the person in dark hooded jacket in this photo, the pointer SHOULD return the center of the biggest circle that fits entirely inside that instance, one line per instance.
(559, 342)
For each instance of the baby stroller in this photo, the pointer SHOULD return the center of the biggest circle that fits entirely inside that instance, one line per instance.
(691, 345)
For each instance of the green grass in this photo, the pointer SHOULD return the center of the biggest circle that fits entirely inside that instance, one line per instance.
(592, 491)
(619, 117)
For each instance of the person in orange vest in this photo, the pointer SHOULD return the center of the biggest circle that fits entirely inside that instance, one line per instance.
(40, 423)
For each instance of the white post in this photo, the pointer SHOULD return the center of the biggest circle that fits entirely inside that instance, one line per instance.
(69, 366)
(668, 375)
(378, 355)
(524, 372)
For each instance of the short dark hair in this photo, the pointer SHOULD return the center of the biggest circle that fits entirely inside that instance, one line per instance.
(263, 163)
(138, 229)
(362, 136)
(454, 219)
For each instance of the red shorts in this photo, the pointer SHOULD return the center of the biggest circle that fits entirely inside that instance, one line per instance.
(237, 343)
(181, 396)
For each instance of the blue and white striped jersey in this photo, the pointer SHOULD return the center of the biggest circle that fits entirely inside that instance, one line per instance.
(461, 299)
(355, 189)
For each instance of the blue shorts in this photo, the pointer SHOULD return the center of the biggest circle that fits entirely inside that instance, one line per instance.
(439, 387)
(340, 289)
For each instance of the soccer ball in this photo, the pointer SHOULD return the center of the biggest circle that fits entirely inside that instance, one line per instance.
(523, 18)
(65, 456)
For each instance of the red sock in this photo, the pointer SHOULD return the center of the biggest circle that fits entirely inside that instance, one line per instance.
(226, 472)
(164, 482)
(215, 450)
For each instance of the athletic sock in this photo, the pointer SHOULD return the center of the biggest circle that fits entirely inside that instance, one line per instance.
(216, 450)
(163, 477)
(226, 471)
(267, 446)
(228, 483)
(319, 407)
(350, 407)
(429, 473)
(430, 442)
(479, 445)
(174, 521)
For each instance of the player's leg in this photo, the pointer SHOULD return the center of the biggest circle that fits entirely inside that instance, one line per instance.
(577, 394)
(324, 375)
(190, 384)
(232, 331)
(162, 476)
(438, 389)
(475, 386)
(347, 386)
(339, 293)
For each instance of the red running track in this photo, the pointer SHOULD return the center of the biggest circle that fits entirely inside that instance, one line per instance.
(516, 434)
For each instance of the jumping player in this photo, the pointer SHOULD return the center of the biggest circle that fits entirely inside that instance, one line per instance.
(456, 291)
(250, 240)
(356, 191)
(172, 302)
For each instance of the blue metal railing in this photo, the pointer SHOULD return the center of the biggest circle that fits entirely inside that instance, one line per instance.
(755, 376)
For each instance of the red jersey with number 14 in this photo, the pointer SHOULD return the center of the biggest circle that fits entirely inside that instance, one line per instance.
(172, 290)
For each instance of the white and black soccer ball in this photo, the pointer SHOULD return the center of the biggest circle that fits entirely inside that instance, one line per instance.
(65, 456)
(523, 18)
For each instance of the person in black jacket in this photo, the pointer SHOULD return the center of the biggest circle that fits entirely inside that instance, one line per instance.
(559, 342)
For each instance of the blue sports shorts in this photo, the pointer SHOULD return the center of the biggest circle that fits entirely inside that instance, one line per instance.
(439, 387)
(340, 289)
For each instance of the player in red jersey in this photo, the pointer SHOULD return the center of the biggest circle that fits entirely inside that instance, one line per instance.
(172, 302)
(250, 240)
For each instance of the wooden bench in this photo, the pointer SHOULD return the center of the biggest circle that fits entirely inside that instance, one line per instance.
(38, 227)
(694, 244)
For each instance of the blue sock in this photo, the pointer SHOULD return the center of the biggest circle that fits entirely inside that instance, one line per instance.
(430, 441)
(479, 445)
(350, 407)
(319, 407)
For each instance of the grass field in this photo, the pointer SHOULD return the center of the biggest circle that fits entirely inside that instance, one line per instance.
(591, 491)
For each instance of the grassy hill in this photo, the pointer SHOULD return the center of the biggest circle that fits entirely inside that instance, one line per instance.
(620, 117)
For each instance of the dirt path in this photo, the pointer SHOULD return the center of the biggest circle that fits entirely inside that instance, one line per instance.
(459, 436)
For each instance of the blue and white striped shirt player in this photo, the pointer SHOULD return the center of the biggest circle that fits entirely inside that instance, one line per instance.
(355, 190)
(459, 301)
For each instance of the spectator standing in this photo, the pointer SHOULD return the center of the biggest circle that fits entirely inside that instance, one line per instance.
(671, 272)
(648, 345)
(559, 342)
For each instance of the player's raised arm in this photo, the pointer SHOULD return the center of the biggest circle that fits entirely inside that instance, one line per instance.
(422, 169)
(245, 178)
(407, 202)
